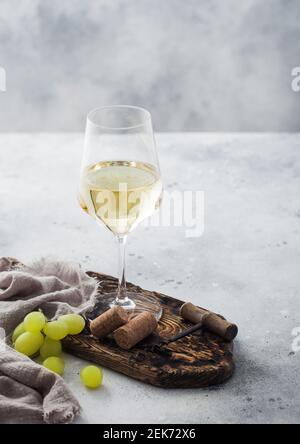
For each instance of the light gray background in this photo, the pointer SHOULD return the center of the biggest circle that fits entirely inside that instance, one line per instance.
(196, 64)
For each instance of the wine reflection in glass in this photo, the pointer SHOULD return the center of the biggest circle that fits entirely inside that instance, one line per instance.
(120, 185)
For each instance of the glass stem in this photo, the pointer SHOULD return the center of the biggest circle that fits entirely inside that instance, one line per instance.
(121, 293)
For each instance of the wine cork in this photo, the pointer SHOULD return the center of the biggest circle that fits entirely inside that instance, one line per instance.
(108, 322)
(135, 330)
(211, 321)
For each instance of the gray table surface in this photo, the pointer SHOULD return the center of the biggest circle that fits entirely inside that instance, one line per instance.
(245, 266)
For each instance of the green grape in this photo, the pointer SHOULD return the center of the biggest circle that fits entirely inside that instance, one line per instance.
(91, 376)
(55, 364)
(34, 322)
(50, 348)
(18, 331)
(29, 343)
(56, 330)
(75, 323)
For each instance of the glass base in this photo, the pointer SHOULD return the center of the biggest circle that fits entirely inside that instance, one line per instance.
(135, 303)
(126, 303)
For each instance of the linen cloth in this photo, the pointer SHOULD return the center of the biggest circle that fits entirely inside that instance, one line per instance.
(29, 393)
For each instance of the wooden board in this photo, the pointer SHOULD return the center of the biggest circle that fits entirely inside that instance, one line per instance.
(198, 360)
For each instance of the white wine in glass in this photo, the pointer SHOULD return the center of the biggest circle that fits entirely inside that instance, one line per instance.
(120, 193)
(120, 184)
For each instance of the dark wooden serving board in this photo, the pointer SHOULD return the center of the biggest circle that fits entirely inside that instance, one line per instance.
(198, 360)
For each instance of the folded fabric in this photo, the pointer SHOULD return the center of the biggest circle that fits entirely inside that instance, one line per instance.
(29, 393)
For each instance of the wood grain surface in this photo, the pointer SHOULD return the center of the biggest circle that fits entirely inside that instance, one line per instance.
(198, 360)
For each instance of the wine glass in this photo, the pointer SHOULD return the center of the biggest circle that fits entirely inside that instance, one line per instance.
(120, 186)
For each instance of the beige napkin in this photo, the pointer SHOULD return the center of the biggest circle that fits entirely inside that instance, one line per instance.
(28, 391)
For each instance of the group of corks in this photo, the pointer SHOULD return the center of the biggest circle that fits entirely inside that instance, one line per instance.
(127, 332)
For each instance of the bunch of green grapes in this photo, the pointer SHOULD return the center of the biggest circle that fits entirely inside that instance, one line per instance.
(36, 335)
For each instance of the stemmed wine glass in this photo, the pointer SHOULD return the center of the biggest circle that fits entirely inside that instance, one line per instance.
(120, 185)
